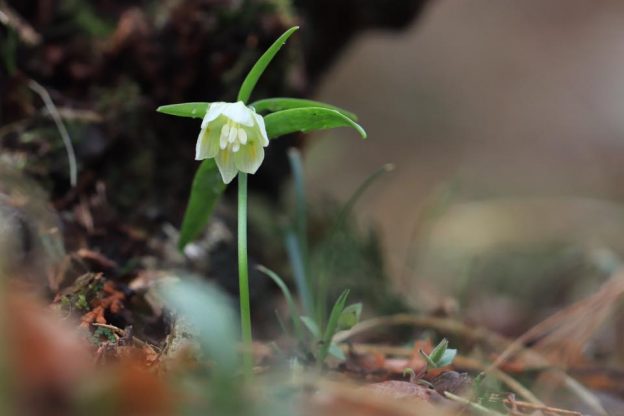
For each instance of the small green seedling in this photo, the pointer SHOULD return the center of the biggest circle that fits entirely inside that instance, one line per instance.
(317, 341)
(231, 143)
(323, 339)
(440, 356)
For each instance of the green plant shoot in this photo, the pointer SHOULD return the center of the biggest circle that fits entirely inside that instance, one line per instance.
(440, 356)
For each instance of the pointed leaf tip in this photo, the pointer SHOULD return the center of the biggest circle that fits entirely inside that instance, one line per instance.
(193, 110)
(307, 119)
(261, 65)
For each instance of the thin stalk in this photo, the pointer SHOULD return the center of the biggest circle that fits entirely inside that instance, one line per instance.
(56, 116)
(293, 249)
(297, 236)
(243, 275)
(300, 203)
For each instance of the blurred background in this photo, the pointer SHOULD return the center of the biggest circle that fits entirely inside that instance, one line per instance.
(504, 122)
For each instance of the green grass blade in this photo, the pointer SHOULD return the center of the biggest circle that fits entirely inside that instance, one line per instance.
(296, 166)
(281, 324)
(307, 119)
(193, 110)
(205, 193)
(271, 105)
(301, 230)
(261, 65)
(439, 350)
(292, 307)
(294, 255)
(336, 352)
(332, 324)
(427, 358)
(311, 326)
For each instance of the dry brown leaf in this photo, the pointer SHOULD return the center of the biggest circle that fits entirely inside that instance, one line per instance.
(112, 301)
(47, 356)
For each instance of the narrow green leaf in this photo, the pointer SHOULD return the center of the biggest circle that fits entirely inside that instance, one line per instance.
(271, 105)
(311, 326)
(295, 253)
(261, 65)
(280, 322)
(332, 324)
(306, 120)
(205, 192)
(350, 316)
(193, 110)
(439, 350)
(300, 220)
(430, 362)
(447, 357)
(289, 300)
(296, 240)
(336, 352)
(440, 356)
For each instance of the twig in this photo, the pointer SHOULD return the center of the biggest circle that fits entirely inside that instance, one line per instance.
(71, 155)
(103, 261)
(592, 311)
(524, 406)
(474, 406)
(448, 326)
(10, 18)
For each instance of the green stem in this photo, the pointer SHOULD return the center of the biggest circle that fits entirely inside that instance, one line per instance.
(243, 275)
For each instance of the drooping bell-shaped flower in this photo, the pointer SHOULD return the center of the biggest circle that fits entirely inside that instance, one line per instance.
(235, 136)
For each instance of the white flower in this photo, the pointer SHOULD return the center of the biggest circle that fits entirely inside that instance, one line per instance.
(235, 136)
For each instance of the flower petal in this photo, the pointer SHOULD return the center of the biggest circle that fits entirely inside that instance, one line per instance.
(262, 128)
(226, 165)
(239, 113)
(207, 143)
(215, 110)
(249, 158)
